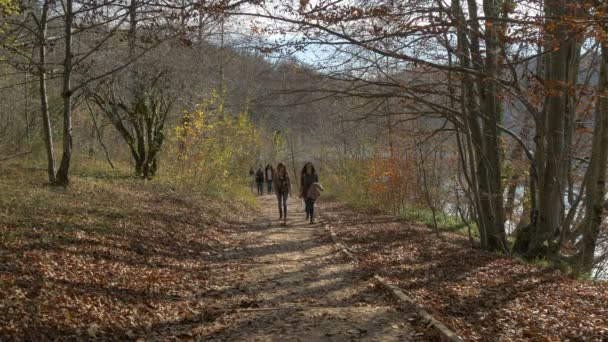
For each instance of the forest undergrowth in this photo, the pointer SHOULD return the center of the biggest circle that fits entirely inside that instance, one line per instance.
(483, 296)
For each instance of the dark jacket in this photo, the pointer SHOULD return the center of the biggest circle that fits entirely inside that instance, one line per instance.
(306, 182)
(281, 183)
(259, 176)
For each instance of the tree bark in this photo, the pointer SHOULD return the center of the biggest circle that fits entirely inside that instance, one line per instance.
(553, 127)
(492, 116)
(594, 201)
(63, 172)
(44, 105)
(469, 57)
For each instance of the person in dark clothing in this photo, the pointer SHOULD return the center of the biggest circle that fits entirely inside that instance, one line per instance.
(269, 175)
(252, 177)
(307, 178)
(259, 179)
(282, 187)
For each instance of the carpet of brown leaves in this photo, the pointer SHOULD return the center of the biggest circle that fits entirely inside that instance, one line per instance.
(126, 259)
(482, 296)
(110, 259)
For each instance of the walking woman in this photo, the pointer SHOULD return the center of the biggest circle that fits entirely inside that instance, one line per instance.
(252, 176)
(269, 175)
(259, 180)
(282, 187)
(308, 177)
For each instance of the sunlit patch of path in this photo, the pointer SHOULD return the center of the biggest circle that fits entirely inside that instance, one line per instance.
(294, 285)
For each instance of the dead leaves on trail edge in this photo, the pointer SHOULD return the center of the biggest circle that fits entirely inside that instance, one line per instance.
(482, 296)
(124, 259)
(108, 259)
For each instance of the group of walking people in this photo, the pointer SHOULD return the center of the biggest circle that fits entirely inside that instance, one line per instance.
(264, 176)
(278, 181)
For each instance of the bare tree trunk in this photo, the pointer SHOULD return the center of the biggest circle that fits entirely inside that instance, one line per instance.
(594, 201)
(293, 158)
(467, 190)
(62, 173)
(99, 136)
(492, 117)
(427, 193)
(26, 104)
(574, 59)
(44, 105)
(481, 116)
(553, 175)
(516, 155)
(132, 27)
(470, 57)
(480, 166)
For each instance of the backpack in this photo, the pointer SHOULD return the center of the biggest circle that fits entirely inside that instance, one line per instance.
(282, 184)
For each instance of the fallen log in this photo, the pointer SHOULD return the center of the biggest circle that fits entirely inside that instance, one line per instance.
(445, 334)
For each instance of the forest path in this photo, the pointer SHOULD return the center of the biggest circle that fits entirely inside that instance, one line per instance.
(295, 285)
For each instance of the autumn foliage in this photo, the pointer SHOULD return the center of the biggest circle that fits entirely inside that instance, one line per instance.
(213, 148)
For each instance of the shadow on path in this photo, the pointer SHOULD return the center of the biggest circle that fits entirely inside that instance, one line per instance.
(299, 287)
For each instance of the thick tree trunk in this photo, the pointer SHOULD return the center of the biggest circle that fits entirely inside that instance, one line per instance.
(44, 105)
(594, 201)
(553, 176)
(573, 66)
(470, 57)
(492, 117)
(63, 172)
(481, 116)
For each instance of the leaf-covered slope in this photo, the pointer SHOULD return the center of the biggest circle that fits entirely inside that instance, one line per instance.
(106, 258)
(482, 296)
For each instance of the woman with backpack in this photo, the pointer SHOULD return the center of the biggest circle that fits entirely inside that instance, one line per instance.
(307, 178)
(282, 187)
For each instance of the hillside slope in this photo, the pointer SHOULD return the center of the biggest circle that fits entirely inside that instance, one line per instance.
(107, 257)
(482, 296)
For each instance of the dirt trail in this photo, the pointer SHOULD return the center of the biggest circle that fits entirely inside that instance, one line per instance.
(292, 284)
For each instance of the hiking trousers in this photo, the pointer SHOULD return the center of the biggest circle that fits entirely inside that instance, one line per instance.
(310, 208)
(282, 199)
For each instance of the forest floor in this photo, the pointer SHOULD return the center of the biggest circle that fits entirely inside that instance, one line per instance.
(119, 258)
(481, 296)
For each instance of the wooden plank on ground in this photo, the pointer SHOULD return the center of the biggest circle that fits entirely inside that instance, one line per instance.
(444, 332)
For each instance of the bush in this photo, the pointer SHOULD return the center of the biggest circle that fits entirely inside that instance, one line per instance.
(211, 151)
(389, 186)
